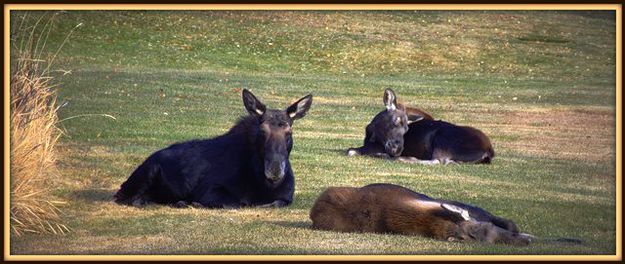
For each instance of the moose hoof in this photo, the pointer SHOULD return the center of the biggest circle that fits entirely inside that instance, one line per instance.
(196, 205)
(139, 202)
(180, 204)
(274, 204)
(407, 159)
(449, 162)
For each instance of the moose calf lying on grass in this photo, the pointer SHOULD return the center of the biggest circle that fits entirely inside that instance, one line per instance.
(247, 166)
(412, 135)
(387, 208)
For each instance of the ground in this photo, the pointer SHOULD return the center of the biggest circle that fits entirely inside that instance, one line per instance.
(540, 84)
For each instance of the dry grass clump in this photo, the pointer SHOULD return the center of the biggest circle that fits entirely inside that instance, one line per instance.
(34, 133)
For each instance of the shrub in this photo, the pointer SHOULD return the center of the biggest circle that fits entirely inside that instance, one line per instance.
(34, 131)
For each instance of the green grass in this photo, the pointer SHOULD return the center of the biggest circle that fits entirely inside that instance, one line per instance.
(541, 84)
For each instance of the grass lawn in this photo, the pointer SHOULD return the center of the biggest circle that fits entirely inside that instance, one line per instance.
(540, 84)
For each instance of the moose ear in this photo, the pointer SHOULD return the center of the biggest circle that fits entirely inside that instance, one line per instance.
(414, 118)
(457, 210)
(254, 106)
(390, 99)
(298, 109)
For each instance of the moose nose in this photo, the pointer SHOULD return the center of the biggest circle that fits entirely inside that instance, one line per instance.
(394, 147)
(275, 171)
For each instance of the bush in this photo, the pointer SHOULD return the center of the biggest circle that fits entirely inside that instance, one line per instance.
(34, 131)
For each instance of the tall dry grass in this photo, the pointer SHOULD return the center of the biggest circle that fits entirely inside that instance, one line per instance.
(34, 131)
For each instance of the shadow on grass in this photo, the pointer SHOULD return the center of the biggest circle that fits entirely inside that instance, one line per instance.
(341, 151)
(93, 195)
(294, 224)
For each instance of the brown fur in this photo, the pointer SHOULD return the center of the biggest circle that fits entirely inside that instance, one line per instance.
(349, 209)
(385, 208)
(416, 111)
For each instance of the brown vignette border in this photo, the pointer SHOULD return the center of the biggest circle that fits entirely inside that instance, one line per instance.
(245, 5)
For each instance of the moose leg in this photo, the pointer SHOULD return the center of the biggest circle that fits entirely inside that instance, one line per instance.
(445, 157)
(216, 198)
(353, 152)
(368, 150)
(414, 160)
(447, 161)
(140, 200)
(180, 204)
(274, 204)
(365, 151)
(466, 156)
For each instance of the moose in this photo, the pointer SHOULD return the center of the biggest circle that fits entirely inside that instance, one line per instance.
(411, 135)
(388, 208)
(247, 166)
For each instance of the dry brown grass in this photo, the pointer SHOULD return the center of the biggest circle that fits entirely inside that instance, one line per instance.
(34, 133)
(567, 134)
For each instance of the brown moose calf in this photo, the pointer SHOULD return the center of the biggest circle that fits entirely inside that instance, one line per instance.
(387, 208)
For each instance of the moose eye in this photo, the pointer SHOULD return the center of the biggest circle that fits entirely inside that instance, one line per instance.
(398, 121)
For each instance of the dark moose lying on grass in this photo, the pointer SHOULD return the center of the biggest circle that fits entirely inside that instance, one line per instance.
(411, 135)
(248, 166)
(554, 174)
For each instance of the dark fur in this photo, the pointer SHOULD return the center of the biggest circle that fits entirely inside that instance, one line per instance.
(387, 208)
(439, 140)
(411, 132)
(230, 170)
